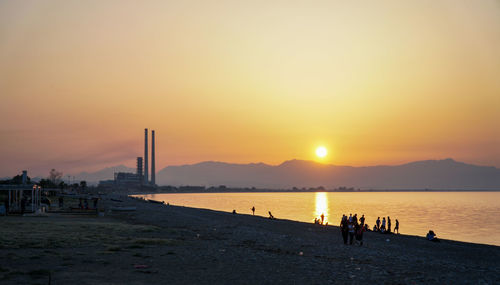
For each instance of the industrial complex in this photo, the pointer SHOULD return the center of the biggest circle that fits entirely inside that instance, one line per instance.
(141, 177)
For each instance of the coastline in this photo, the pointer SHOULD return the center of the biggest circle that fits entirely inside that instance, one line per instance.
(187, 245)
(237, 190)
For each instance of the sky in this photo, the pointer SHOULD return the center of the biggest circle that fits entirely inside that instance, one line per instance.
(375, 82)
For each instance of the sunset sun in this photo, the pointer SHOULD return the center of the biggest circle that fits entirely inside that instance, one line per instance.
(321, 151)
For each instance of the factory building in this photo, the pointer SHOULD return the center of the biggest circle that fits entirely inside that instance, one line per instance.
(139, 168)
(141, 177)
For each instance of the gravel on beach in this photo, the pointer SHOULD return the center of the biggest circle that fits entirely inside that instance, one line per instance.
(169, 244)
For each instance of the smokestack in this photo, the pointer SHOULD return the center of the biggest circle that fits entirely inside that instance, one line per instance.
(153, 175)
(146, 178)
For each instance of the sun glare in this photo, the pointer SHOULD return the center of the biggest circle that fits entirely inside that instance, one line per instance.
(321, 151)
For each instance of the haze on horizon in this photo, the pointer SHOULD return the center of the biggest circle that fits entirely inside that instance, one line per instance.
(384, 82)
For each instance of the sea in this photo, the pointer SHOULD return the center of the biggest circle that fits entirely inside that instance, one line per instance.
(463, 216)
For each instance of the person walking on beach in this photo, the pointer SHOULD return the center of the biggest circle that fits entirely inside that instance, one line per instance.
(378, 224)
(396, 228)
(388, 224)
(253, 210)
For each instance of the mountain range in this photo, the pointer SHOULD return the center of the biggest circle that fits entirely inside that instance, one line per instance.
(446, 174)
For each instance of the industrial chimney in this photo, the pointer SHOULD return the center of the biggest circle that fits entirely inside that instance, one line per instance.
(146, 178)
(153, 175)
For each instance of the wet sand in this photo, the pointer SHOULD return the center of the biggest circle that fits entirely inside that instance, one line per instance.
(179, 245)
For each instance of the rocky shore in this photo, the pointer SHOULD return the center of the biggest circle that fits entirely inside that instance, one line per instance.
(177, 245)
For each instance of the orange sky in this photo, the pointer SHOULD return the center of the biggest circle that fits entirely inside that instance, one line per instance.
(376, 82)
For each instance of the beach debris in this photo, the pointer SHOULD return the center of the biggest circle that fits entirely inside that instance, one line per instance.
(124, 208)
(140, 266)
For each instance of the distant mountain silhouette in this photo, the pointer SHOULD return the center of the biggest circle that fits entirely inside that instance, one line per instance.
(93, 178)
(428, 174)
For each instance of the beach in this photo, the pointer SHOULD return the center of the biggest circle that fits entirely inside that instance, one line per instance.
(160, 243)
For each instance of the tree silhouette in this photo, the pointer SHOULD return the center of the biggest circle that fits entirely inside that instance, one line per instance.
(55, 176)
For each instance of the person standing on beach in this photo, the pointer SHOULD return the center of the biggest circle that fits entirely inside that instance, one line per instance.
(344, 228)
(396, 228)
(362, 220)
(23, 205)
(378, 224)
(322, 218)
(253, 210)
(382, 228)
(6, 202)
(388, 224)
(359, 234)
(351, 232)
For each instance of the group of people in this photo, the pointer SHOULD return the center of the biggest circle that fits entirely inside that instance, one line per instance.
(351, 228)
(385, 226)
(84, 203)
(321, 220)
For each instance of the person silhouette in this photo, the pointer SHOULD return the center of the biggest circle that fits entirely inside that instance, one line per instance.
(350, 228)
(322, 218)
(388, 224)
(271, 215)
(23, 205)
(431, 236)
(396, 228)
(382, 228)
(253, 210)
(378, 224)
(362, 220)
(344, 228)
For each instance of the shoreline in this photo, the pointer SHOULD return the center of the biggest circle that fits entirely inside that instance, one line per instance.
(187, 245)
(292, 191)
(334, 227)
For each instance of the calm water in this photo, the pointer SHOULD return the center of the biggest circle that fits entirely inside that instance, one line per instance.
(464, 216)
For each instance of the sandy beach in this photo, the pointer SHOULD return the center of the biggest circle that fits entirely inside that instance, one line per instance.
(179, 245)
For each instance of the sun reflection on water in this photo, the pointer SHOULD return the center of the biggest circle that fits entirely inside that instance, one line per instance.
(321, 206)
